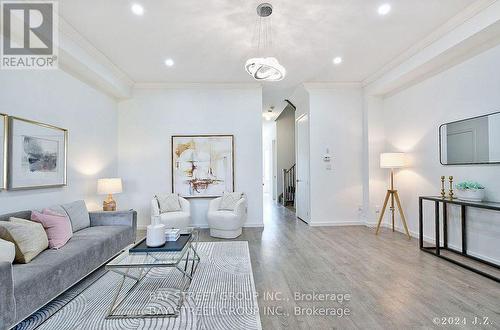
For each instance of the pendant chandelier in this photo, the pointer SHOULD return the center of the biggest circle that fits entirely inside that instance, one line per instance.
(265, 68)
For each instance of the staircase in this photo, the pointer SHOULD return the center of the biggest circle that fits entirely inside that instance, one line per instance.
(288, 197)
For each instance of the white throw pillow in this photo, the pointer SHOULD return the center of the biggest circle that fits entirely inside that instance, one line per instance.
(168, 203)
(229, 200)
(7, 251)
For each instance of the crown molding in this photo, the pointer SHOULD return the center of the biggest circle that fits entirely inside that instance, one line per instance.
(309, 86)
(80, 58)
(478, 33)
(197, 85)
(453, 23)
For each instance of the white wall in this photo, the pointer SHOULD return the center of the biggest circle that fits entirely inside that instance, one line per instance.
(57, 98)
(494, 137)
(268, 136)
(285, 144)
(375, 179)
(412, 118)
(336, 124)
(151, 117)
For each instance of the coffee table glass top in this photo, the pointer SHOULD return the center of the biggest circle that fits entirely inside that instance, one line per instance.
(153, 259)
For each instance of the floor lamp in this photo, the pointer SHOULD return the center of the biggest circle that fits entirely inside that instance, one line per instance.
(392, 160)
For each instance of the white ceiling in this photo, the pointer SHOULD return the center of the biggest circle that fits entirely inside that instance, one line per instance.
(210, 40)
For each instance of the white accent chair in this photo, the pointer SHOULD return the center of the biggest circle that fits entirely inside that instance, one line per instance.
(179, 219)
(224, 223)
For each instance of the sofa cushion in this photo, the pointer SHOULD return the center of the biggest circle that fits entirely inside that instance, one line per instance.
(88, 249)
(78, 215)
(7, 302)
(57, 227)
(28, 237)
(56, 209)
(20, 215)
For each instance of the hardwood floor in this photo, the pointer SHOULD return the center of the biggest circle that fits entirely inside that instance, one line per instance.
(390, 282)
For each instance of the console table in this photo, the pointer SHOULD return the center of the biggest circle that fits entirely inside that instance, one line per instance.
(436, 250)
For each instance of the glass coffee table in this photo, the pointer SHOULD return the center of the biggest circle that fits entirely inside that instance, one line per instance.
(135, 266)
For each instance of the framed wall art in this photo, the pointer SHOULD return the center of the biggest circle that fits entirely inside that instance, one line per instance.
(37, 155)
(3, 151)
(202, 165)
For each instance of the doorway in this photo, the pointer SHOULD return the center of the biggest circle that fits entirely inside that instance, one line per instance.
(286, 161)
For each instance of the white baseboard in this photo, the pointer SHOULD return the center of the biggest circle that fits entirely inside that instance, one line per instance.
(431, 240)
(335, 224)
(397, 228)
(474, 254)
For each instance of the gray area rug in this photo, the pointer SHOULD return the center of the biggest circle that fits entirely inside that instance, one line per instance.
(222, 295)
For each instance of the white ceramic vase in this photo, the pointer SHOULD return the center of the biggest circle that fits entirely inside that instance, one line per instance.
(155, 235)
(472, 195)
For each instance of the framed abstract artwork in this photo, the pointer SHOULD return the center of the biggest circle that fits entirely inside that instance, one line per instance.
(202, 165)
(37, 155)
(3, 151)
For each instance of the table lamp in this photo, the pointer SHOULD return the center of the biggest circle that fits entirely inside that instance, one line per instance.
(392, 160)
(109, 186)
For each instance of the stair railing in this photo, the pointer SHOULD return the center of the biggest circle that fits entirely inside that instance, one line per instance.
(288, 186)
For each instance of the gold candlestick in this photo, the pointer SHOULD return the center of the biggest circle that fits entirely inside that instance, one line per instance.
(443, 193)
(451, 187)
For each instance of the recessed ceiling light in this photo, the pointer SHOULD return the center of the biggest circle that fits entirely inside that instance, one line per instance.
(169, 62)
(137, 9)
(337, 60)
(384, 9)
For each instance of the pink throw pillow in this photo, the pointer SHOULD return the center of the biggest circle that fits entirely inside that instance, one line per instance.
(57, 227)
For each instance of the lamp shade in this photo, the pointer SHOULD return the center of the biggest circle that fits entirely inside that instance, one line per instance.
(392, 160)
(109, 186)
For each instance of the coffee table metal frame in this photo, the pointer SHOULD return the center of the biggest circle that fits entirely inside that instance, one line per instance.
(185, 261)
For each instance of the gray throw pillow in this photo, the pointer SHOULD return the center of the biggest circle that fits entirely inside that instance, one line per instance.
(78, 215)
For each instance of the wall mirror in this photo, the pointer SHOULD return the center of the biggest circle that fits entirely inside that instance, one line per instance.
(471, 141)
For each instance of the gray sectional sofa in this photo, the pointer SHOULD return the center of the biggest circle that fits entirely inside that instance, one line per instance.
(97, 237)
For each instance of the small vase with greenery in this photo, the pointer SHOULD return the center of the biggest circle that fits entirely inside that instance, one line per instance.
(470, 191)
